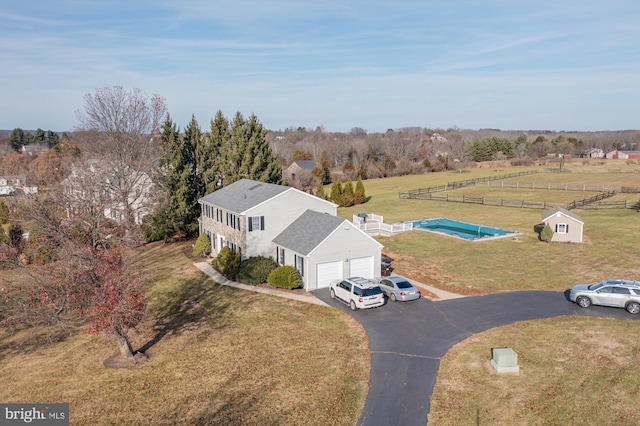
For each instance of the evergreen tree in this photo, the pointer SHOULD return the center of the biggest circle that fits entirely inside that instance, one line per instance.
(188, 186)
(348, 194)
(258, 162)
(210, 151)
(336, 192)
(17, 139)
(248, 154)
(320, 191)
(359, 195)
(160, 224)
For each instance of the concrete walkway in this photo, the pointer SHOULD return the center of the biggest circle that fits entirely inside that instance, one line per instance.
(220, 279)
(308, 297)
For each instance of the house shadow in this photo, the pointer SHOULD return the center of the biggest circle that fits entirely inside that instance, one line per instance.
(196, 304)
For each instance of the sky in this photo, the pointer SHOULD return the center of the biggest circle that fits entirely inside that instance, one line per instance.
(372, 64)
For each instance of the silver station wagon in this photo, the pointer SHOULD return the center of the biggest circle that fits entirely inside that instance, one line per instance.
(616, 293)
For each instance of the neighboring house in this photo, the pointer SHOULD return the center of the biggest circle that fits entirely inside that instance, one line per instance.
(324, 248)
(567, 226)
(33, 150)
(593, 153)
(298, 167)
(290, 226)
(625, 155)
(16, 185)
(95, 184)
(247, 215)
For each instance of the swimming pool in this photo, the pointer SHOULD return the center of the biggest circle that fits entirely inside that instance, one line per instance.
(454, 228)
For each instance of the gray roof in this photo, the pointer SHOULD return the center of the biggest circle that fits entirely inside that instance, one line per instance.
(305, 164)
(308, 231)
(243, 195)
(547, 214)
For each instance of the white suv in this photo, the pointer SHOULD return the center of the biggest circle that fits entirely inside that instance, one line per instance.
(358, 293)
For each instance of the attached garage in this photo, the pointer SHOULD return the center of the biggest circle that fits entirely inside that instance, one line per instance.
(361, 267)
(327, 272)
(331, 247)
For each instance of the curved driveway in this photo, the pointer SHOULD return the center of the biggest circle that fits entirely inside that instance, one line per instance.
(407, 340)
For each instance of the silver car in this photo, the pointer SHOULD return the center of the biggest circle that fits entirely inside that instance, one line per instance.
(616, 293)
(398, 288)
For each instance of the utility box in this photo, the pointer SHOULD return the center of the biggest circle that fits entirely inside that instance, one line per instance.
(504, 360)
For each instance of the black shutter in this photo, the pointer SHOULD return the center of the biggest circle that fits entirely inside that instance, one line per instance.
(262, 223)
(250, 224)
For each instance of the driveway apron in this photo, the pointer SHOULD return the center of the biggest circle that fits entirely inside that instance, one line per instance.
(408, 339)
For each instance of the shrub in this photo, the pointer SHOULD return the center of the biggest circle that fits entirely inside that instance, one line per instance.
(227, 262)
(546, 234)
(202, 246)
(285, 277)
(255, 270)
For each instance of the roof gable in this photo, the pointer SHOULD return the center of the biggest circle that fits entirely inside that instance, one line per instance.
(243, 195)
(553, 211)
(308, 231)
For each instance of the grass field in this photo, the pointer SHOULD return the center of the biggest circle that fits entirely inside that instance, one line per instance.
(573, 371)
(609, 249)
(242, 358)
(234, 358)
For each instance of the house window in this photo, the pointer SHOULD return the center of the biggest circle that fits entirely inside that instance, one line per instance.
(562, 228)
(299, 260)
(256, 223)
(233, 221)
(280, 256)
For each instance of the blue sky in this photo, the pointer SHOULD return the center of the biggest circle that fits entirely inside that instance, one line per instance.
(507, 64)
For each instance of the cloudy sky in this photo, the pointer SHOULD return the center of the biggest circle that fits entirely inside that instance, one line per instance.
(507, 64)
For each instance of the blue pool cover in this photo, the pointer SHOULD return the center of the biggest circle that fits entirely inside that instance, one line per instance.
(454, 228)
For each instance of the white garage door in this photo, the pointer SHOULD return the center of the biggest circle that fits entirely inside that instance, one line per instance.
(327, 272)
(361, 267)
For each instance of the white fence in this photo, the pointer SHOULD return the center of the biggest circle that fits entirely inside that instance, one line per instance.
(373, 224)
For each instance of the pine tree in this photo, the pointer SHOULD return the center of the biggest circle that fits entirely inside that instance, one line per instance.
(320, 191)
(209, 152)
(347, 194)
(359, 195)
(336, 192)
(248, 154)
(177, 209)
(258, 162)
(189, 186)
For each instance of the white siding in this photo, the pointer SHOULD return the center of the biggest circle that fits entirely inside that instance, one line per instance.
(279, 212)
(346, 243)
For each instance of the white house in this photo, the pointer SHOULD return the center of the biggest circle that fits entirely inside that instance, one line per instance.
(95, 184)
(247, 215)
(292, 227)
(567, 226)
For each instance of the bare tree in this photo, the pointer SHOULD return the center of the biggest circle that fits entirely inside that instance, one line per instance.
(122, 126)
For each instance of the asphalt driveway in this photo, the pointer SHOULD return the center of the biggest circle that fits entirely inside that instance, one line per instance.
(407, 340)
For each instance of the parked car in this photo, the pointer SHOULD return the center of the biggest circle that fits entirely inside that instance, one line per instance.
(398, 288)
(616, 293)
(357, 292)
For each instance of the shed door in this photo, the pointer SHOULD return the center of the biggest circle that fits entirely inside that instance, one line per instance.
(361, 267)
(327, 272)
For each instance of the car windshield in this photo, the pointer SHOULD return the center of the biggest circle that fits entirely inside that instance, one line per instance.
(403, 284)
(595, 286)
(371, 291)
